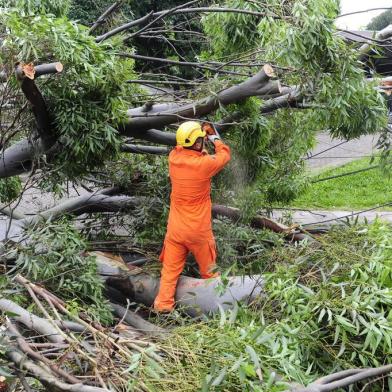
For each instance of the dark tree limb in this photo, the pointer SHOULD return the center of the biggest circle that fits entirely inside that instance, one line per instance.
(258, 222)
(105, 15)
(124, 27)
(25, 74)
(161, 115)
(85, 204)
(135, 149)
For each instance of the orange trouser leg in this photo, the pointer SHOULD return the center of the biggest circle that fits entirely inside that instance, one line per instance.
(173, 258)
(205, 255)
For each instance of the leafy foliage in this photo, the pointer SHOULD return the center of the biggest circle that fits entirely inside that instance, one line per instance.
(54, 7)
(55, 256)
(324, 68)
(89, 99)
(326, 308)
(10, 189)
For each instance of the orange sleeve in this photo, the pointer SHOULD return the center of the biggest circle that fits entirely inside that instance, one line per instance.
(212, 164)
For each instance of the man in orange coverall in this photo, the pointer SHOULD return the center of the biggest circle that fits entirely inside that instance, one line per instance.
(189, 226)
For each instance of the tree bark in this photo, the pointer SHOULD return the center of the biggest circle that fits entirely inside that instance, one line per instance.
(258, 222)
(138, 322)
(162, 115)
(195, 296)
(30, 320)
(17, 159)
(85, 204)
(135, 149)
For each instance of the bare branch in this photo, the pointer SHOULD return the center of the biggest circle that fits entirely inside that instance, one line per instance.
(84, 204)
(180, 63)
(363, 11)
(24, 346)
(47, 379)
(175, 11)
(122, 28)
(109, 11)
(344, 378)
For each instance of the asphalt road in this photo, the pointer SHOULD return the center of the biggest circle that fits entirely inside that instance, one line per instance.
(343, 152)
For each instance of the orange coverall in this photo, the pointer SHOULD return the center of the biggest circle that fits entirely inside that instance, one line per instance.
(189, 226)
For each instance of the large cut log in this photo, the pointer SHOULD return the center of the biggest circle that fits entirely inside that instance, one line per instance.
(194, 296)
(158, 116)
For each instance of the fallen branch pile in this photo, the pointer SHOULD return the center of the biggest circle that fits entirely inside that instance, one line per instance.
(67, 351)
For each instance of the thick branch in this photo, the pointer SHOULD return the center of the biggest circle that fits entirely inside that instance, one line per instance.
(196, 296)
(108, 12)
(135, 149)
(30, 320)
(138, 322)
(156, 136)
(258, 222)
(32, 72)
(290, 100)
(164, 114)
(11, 212)
(84, 204)
(17, 159)
(26, 73)
(344, 378)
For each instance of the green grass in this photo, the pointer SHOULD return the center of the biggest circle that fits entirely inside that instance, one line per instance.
(357, 191)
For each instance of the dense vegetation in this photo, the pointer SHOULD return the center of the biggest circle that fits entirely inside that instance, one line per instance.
(327, 304)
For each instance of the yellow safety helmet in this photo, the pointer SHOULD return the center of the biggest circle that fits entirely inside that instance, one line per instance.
(188, 132)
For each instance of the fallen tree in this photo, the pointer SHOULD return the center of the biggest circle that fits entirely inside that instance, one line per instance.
(80, 108)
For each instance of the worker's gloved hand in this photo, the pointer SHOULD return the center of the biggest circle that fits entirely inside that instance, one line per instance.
(213, 138)
(212, 133)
